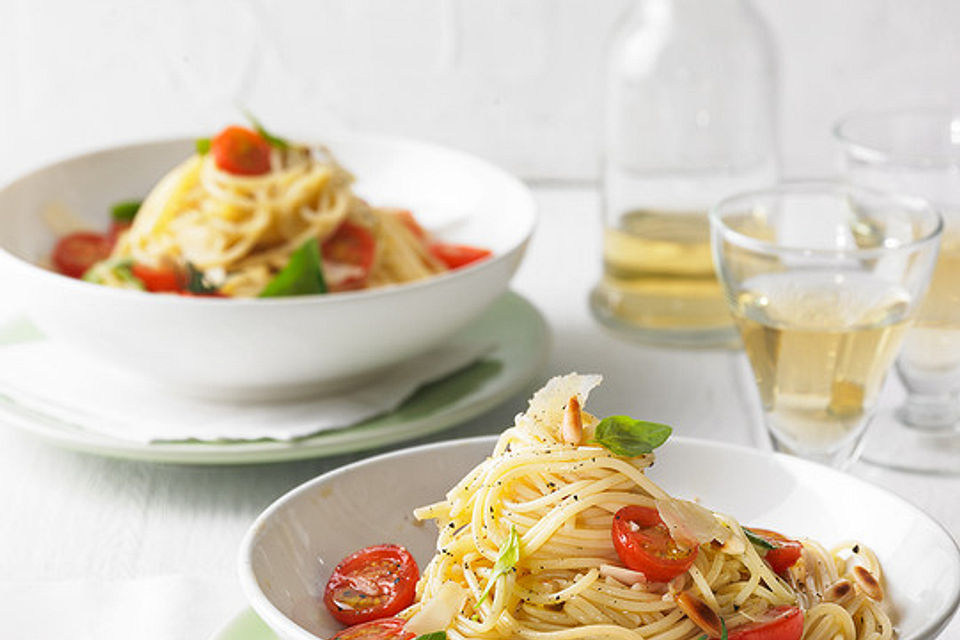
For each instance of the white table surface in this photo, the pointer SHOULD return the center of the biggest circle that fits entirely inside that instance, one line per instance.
(75, 524)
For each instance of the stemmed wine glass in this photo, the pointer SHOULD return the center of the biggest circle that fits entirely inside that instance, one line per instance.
(917, 151)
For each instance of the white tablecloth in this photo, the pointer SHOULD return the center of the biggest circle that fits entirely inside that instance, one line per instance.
(78, 529)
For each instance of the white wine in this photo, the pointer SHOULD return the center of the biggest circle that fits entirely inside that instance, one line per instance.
(658, 272)
(820, 345)
(930, 360)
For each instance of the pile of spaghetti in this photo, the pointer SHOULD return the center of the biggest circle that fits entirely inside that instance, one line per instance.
(560, 535)
(247, 206)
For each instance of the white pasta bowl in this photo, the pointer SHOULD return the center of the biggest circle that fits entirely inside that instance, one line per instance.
(267, 348)
(290, 550)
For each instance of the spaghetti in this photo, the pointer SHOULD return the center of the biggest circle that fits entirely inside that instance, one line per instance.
(241, 230)
(229, 220)
(559, 499)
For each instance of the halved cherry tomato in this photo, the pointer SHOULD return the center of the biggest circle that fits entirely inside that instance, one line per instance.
(785, 553)
(458, 255)
(778, 623)
(158, 280)
(240, 151)
(385, 629)
(351, 245)
(375, 582)
(77, 252)
(116, 228)
(644, 544)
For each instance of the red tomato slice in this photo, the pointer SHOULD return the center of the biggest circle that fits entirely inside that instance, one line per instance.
(785, 553)
(644, 544)
(375, 582)
(116, 228)
(351, 245)
(77, 252)
(458, 255)
(158, 280)
(240, 151)
(385, 629)
(779, 623)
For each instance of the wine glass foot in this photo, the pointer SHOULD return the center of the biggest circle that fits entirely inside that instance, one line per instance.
(893, 444)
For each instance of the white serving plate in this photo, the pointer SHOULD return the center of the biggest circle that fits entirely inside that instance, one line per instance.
(512, 324)
(287, 555)
(280, 347)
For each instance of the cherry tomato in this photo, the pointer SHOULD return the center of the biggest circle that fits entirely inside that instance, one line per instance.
(384, 629)
(785, 553)
(240, 151)
(458, 255)
(375, 582)
(77, 252)
(778, 623)
(352, 245)
(644, 544)
(116, 228)
(158, 280)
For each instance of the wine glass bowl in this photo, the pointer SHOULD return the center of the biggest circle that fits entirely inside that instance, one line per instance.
(822, 280)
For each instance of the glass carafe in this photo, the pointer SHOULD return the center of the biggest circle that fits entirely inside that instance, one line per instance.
(690, 119)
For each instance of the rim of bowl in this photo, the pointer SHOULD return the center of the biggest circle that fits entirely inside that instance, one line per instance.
(823, 186)
(884, 154)
(324, 299)
(265, 607)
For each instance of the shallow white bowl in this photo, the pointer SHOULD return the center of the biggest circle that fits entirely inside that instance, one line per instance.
(271, 347)
(287, 555)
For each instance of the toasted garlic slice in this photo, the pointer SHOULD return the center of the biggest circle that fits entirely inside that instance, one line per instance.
(571, 431)
(839, 592)
(868, 583)
(699, 613)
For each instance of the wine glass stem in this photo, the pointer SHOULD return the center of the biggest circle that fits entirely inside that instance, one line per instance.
(931, 412)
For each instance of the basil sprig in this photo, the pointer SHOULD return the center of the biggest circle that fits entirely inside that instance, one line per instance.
(758, 541)
(203, 146)
(506, 561)
(118, 272)
(723, 632)
(196, 281)
(627, 437)
(433, 635)
(125, 211)
(272, 140)
(302, 276)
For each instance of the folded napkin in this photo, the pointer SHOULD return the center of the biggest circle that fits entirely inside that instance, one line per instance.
(54, 380)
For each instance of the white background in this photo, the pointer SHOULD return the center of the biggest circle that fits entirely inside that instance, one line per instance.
(83, 540)
(516, 81)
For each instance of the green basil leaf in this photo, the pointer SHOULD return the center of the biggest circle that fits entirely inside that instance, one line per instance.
(302, 276)
(435, 635)
(758, 541)
(274, 141)
(117, 272)
(203, 146)
(627, 437)
(125, 211)
(506, 561)
(197, 281)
